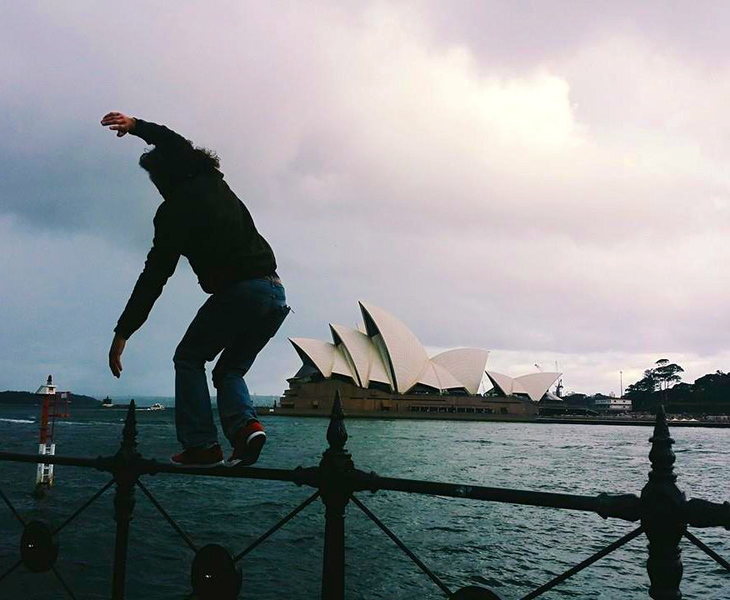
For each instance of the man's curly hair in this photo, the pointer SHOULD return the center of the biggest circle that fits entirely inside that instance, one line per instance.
(167, 167)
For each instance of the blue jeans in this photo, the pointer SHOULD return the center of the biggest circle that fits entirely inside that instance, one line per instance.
(239, 320)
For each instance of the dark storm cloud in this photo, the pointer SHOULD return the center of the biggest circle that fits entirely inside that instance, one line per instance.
(523, 33)
(532, 177)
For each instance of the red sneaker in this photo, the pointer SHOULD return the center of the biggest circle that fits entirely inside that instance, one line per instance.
(247, 444)
(201, 456)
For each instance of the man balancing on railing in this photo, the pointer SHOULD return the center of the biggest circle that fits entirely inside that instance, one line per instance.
(202, 219)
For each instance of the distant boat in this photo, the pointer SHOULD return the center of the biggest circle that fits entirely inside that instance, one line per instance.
(107, 403)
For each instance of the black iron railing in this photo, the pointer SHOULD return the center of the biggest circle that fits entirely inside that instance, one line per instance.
(662, 511)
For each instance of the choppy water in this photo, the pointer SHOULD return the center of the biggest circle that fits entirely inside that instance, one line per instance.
(509, 549)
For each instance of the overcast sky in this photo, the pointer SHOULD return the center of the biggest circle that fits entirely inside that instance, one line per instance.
(546, 180)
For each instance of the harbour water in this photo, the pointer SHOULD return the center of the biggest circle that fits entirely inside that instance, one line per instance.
(509, 549)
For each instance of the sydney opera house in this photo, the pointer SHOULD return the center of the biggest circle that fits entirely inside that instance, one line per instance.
(382, 367)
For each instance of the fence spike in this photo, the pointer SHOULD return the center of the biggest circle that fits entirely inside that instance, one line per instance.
(336, 432)
(661, 455)
(125, 475)
(662, 516)
(335, 487)
(128, 446)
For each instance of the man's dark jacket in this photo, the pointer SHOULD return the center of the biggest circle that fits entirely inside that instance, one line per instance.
(201, 219)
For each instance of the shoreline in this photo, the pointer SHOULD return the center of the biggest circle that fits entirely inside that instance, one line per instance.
(644, 422)
(267, 411)
(632, 422)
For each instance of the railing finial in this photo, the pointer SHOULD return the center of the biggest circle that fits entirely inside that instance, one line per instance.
(661, 456)
(335, 486)
(336, 432)
(125, 475)
(663, 515)
(128, 446)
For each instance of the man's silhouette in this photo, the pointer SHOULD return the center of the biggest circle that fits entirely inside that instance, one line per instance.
(202, 219)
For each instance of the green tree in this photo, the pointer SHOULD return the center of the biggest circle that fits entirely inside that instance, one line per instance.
(646, 385)
(662, 376)
(666, 374)
(713, 388)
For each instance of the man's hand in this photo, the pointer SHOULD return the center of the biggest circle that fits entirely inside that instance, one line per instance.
(118, 122)
(115, 355)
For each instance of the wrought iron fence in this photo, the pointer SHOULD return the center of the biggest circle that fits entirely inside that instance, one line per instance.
(662, 510)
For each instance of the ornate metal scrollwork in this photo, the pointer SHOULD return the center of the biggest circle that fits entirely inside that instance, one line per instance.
(474, 592)
(38, 547)
(214, 575)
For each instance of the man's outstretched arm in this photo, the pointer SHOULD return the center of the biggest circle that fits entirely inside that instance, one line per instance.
(162, 258)
(118, 122)
(159, 266)
(115, 355)
(152, 133)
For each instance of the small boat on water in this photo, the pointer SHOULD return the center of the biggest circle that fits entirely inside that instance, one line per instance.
(108, 403)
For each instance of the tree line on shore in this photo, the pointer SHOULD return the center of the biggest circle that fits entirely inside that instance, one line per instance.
(662, 384)
(13, 397)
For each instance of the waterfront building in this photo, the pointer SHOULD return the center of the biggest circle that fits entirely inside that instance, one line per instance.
(611, 405)
(382, 367)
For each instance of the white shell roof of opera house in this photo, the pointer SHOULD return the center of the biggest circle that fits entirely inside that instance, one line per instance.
(384, 350)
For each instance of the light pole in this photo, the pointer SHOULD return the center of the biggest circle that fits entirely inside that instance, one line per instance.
(621, 387)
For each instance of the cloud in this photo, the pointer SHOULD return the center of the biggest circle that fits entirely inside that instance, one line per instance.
(497, 176)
